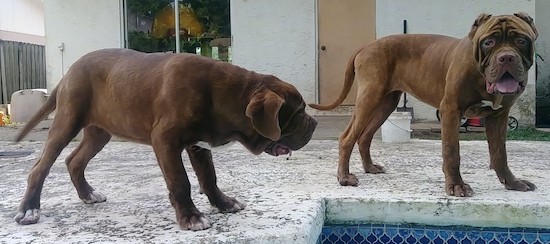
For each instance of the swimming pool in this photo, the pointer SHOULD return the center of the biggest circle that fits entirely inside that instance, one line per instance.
(408, 233)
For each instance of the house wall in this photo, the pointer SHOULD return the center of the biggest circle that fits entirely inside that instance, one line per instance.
(281, 39)
(277, 38)
(454, 18)
(81, 26)
(22, 21)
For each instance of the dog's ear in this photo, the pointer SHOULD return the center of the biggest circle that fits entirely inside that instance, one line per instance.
(263, 109)
(477, 23)
(525, 17)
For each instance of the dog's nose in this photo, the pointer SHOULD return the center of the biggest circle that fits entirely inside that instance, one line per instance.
(506, 58)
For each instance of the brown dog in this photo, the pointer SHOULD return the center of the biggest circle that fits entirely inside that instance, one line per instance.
(479, 75)
(172, 102)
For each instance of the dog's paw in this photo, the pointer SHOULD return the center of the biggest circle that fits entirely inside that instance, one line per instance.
(459, 190)
(28, 217)
(94, 197)
(194, 221)
(374, 169)
(520, 185)
(348, 180)
(230, 205)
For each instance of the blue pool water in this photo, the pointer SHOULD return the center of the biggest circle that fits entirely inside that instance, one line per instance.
(405, 233)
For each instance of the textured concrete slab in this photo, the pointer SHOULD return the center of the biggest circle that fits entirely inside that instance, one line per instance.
(287, 199)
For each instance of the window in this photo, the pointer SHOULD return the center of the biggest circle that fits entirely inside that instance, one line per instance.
(204, 27)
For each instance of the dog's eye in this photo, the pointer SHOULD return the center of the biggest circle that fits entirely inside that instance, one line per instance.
(489, 43)
(521, 41)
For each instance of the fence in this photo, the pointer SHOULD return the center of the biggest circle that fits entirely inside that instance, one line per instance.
(22, 66)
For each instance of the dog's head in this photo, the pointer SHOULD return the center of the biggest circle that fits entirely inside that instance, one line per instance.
(504, 50)
(277, 113)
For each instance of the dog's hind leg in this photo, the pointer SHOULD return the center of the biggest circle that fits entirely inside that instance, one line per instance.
(368, 98)
(93, 141)
(386, 107)
(201, 159)
(62, 131)
(346, 143)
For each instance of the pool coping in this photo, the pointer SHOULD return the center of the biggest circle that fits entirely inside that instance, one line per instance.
(445, 212)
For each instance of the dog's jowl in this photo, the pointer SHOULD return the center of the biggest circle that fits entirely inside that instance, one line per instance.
(479, 75)
(182, 102)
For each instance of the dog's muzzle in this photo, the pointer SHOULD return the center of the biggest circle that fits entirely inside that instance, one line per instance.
(503, 75)
(295, 136)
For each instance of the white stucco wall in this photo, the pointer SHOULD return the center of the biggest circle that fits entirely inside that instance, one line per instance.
(453, 18)
(277, 37)
(22, 20)
(81, 26)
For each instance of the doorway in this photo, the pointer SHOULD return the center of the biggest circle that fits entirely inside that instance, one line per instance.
(343, 27)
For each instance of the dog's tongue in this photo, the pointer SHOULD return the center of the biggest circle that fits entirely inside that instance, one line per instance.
(507, 85)
(280, 149)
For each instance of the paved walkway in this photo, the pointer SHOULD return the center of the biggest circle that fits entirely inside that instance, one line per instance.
(288, 200)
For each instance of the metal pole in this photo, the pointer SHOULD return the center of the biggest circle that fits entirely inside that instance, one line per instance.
(177, 24)
(3, 77)
(124, 37)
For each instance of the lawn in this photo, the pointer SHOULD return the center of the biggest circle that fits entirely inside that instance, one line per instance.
(520, 134)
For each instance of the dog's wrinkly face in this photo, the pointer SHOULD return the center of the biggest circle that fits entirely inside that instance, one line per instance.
(504, 51)
(281, 119)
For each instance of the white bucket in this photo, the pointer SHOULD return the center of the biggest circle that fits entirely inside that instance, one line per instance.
(397, 128)
(25, 103)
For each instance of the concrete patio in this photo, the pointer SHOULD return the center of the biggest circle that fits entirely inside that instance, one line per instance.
(288, 200)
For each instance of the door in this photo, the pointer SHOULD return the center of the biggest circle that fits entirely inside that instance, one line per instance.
(343, 27)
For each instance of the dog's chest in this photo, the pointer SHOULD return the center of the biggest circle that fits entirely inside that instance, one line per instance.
(483, 108)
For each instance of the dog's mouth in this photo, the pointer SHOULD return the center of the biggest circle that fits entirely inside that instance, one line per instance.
(506, 85)
(276, 149)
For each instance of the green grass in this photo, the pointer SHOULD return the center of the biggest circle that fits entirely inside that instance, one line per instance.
(528, 134)
(520, 134)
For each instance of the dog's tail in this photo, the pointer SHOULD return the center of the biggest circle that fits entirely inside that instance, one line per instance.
(44, 111)
(348, 82)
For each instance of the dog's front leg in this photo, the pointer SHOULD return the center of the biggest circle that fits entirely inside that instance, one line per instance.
(168, 151)
(201, 159)
(450, 124)
(496, 127)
